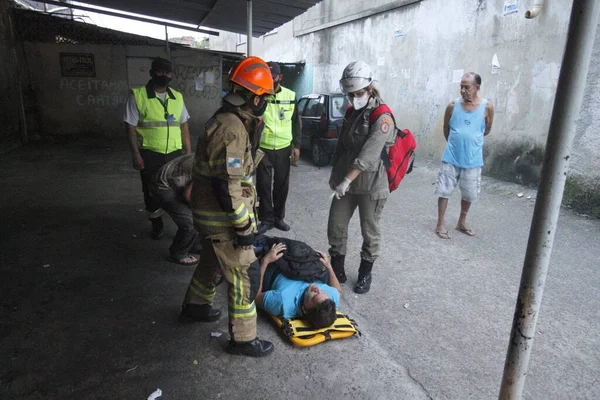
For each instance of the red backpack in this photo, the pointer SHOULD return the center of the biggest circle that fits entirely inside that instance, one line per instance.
(398, 161)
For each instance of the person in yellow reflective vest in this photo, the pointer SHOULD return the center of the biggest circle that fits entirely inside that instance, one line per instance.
(223, 205)
(281, 140)
(156, 124)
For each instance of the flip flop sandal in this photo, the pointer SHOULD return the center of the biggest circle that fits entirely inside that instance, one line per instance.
(181, 262)
(440, 235)
(466, 231)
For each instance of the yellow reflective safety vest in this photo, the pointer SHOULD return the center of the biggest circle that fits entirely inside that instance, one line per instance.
(159, 127)
(278, 120)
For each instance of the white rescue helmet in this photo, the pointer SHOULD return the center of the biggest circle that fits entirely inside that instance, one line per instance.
(357, 75)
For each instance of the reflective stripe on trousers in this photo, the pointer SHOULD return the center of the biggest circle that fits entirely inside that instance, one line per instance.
(240, 269)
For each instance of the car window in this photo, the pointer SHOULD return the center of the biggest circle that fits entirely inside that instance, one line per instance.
(301, 104)
(339, 104)
(314, 108)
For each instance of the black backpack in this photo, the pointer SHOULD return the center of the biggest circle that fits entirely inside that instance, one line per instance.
(299, 262)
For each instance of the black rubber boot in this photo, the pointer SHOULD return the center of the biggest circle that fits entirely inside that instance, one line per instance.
(254, 348)
(157, 228)
(364, 277)
(337, 262)
(199, 313)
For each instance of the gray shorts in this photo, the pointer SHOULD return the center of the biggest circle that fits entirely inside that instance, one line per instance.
(468, 179)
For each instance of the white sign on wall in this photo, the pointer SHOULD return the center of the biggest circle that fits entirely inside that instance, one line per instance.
(495, 65)
(511, 7)
(457, 75)
(199, 82)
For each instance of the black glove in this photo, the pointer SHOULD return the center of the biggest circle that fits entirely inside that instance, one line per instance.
(247, 240)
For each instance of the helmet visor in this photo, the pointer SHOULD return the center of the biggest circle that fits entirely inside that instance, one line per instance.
(349, 85)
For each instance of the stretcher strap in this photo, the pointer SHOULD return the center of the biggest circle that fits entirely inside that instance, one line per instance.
(299, 327)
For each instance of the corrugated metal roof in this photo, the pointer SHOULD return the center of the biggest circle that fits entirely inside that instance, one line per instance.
(227, 15)
(33, 26)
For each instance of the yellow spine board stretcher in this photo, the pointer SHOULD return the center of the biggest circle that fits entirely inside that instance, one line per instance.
(300, 333)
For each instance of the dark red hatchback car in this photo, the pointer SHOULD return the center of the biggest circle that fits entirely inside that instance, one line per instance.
(322, 117)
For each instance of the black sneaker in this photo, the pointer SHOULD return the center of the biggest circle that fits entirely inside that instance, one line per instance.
(264, 227)
(199, 313)
(157, 228)
(282, 226)
(254, 348)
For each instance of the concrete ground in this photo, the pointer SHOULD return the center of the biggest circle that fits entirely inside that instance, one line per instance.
(89, 304)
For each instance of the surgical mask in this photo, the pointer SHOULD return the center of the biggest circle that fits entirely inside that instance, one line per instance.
(360, 102)
(161, 80)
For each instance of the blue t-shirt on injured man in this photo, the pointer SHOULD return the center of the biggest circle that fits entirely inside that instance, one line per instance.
(286, 295)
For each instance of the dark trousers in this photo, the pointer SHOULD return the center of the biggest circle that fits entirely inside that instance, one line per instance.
(152, 163)
(273, 184)
(181, 214)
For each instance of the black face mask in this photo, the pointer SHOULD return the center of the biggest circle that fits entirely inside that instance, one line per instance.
(259, 110)
(161, 81)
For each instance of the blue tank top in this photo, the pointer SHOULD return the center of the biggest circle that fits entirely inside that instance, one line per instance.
(465, 142)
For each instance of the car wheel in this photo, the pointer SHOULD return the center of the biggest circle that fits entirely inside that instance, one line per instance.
(319, 155)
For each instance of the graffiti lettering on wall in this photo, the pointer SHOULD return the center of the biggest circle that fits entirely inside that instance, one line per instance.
(185, 77)
(96, 92)
(100, 100)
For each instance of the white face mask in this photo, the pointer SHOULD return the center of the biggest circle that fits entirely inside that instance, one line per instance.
(360, 102)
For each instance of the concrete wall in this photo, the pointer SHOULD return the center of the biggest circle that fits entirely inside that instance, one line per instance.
(94, 106)
(10, 102)
(415, 49)
(227, 41)
(587, 142)
(583, 186)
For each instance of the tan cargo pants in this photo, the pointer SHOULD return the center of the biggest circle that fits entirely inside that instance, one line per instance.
(240, 268)
(341, 212)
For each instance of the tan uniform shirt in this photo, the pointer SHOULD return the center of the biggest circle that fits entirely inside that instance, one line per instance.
(223, 196)
(359, 147)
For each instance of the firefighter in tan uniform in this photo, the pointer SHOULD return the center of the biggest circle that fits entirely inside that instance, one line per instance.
(223, 204)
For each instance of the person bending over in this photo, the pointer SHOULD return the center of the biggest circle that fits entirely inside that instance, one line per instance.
(284, 297)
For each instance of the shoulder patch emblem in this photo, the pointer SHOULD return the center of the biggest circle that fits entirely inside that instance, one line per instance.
(385, 127)
(386, 120)
(233, 162)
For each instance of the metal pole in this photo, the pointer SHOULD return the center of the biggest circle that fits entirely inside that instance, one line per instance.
(22, 111)
(567, 104)
(167, 42)
(249, 35)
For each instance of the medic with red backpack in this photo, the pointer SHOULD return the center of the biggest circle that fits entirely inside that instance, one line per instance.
(371, 158)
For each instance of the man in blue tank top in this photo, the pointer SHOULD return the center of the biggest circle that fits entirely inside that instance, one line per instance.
(468, 119)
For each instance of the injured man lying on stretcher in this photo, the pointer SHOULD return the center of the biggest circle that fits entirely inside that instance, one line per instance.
(288, 298)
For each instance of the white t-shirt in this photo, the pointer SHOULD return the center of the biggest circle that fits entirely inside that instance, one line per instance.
(132, 115)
